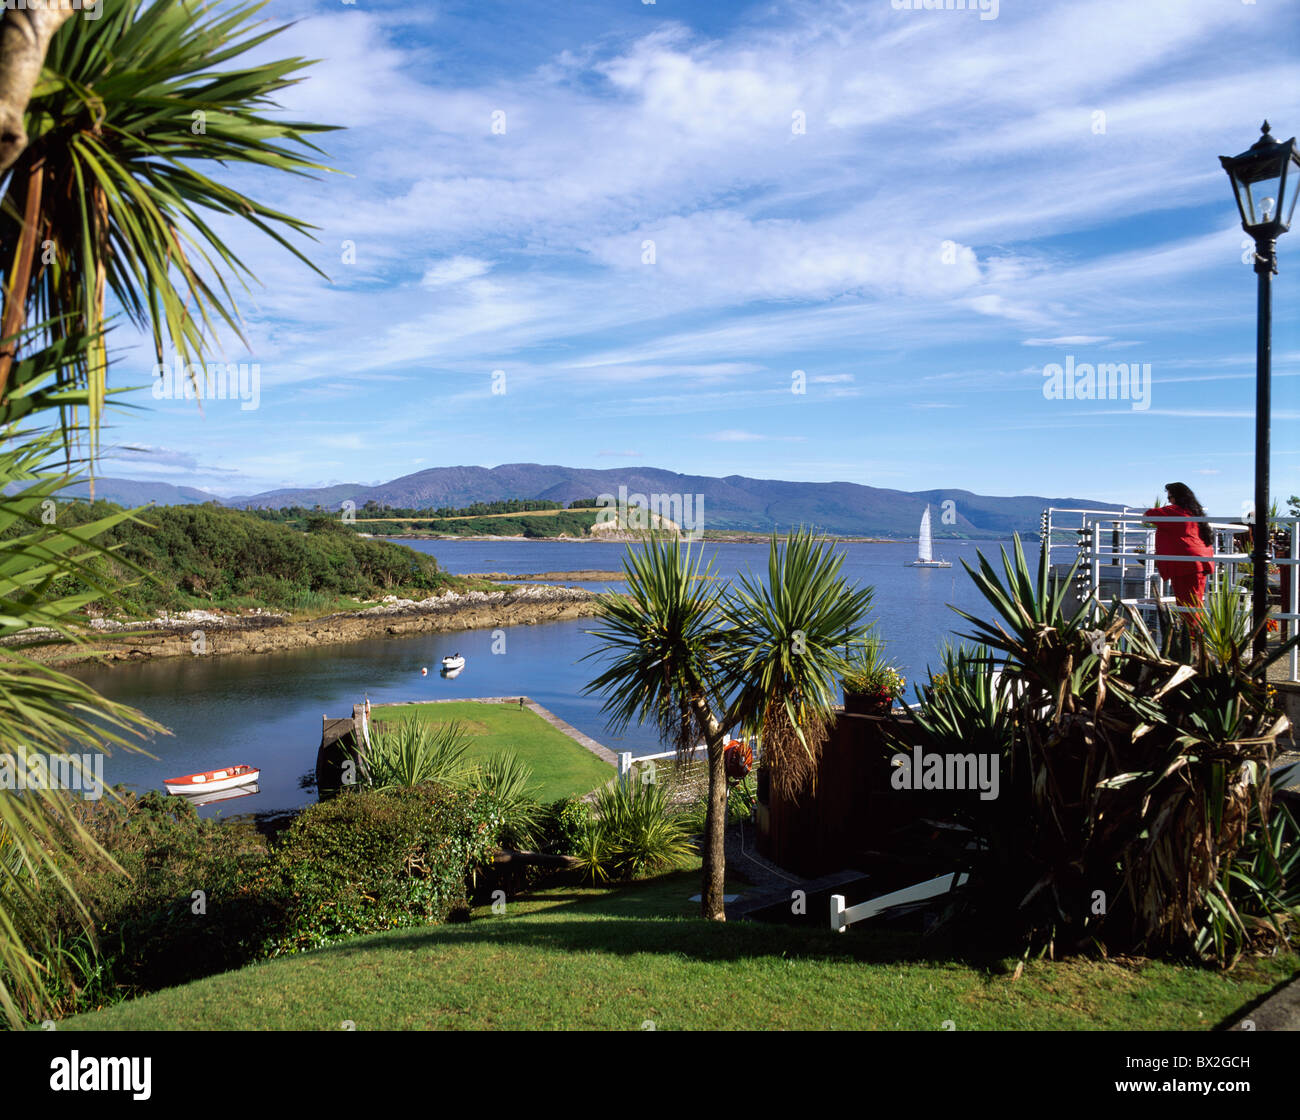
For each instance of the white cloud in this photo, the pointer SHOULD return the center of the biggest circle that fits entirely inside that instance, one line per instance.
(454, 270)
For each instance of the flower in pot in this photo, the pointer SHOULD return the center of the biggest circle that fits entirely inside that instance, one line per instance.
(873, 683)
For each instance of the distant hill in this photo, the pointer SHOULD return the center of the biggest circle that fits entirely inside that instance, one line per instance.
(731, 503)
(130, 492)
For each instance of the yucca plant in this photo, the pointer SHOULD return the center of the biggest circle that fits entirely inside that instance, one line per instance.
(113, 193)
(593, 852)
(642, 834)
(1256, 898)
(1129, 776)
(1223, 623)
(510, 782)
(410, 752)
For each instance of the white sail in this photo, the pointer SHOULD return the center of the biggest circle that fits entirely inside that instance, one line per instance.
(924, 548)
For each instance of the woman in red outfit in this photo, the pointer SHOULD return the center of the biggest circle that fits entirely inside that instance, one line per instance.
(1183, 538)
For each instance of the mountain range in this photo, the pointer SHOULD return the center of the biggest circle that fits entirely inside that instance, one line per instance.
(732, 503)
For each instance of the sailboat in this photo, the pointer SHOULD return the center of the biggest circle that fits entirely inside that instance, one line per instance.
(925, 547)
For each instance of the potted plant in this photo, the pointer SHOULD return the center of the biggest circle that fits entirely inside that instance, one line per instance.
(872, 684)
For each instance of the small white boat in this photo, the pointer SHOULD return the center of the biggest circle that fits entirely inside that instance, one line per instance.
(925, 547)
(208, 781)
(453, 663)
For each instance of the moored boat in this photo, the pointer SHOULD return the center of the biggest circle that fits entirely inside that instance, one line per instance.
(207, 781)
(449, 664)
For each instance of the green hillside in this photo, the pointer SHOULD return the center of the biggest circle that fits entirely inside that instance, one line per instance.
(208, 556)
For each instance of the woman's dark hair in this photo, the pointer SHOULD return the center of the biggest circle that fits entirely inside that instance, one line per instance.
(1181, 495)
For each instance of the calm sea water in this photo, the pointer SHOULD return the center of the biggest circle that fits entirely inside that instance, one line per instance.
(266, 709)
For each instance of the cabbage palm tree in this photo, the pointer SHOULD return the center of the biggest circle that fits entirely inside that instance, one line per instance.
(663, 641)
(43, 712)
(695, 660)
(113, 193)
(788, 644)
(108, 191)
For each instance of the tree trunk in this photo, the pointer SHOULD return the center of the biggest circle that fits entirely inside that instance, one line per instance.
(715, 821)
(25, 35)
(20, 274)
(715, 828)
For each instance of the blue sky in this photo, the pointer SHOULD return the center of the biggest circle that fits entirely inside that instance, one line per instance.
(919, 210)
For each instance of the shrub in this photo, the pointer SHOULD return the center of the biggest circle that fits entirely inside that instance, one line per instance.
(635, 834)
(1128, 769)
(872, 674)
(366, 861)
(510, 782)
(411, 752)
(151, 931)
(1256, 899)
(564, 823)
(594, 851)
(373, 860)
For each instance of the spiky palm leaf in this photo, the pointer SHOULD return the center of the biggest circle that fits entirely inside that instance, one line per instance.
(662, 642)
(510, 781)
(789, 641)
(43, 712)
(411, 752)
(130, 113)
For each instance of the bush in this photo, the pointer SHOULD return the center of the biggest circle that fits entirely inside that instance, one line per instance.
(564, 823)
(1129, 769)
(372, 860)
(633, 834)
(510, 782)
(151, 930)
(366, 861)
(1257, 897)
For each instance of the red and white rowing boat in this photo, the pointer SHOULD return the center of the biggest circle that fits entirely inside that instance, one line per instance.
(210, 780)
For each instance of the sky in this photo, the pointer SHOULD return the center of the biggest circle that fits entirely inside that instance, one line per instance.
(807, 241)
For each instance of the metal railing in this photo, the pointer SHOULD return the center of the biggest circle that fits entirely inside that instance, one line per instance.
(1117, 559)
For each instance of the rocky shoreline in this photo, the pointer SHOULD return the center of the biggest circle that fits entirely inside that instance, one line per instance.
(212, 634)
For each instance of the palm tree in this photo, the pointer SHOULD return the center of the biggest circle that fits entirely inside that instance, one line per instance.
(789, 643)
(695, 660)
(663, 637)
(112, 194)
(108, 194)
(43, 712)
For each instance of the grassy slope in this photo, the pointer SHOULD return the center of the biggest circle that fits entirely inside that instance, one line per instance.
(611, 959)
(561, 768)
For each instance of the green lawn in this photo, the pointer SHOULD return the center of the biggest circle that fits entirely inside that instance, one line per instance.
(624, 957)
(561, 768)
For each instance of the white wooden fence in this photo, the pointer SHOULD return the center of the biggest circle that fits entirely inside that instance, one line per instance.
(843, 916)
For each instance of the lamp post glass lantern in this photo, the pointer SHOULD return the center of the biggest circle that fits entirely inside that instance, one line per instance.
(1266, 182)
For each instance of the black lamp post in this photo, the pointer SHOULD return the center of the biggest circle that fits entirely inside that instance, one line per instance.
(1266, 181)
